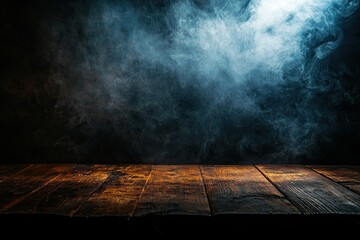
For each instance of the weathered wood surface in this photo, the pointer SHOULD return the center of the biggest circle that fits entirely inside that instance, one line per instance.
(344, 175)
(174, 190)
(243, 190)
(139, 190)
(118, 196)
(66, 193)
(310, 192)
(17, 187)
(8, 170)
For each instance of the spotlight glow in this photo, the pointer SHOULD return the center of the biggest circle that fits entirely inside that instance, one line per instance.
(276, 33)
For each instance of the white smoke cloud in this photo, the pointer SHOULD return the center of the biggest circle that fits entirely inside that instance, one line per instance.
(274, 35)
(214, 79)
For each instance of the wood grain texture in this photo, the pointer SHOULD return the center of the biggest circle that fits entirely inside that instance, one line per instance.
(348, 176)
(8, 170)
(119, 194)
(243, 190)
(67, 193)
(137, 190)
(174, 190)
(310, 192)
(18, 186)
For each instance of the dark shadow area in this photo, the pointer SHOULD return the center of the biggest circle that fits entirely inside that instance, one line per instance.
(170, 227)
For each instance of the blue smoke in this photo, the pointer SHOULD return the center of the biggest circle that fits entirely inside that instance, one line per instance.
(204, 81)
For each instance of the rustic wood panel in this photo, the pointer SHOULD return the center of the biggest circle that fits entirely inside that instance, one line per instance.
(243, 190)
(174, 190)
(119, 194)
(67, 193)
(18, 186)
(311, 192)
(8, 170)
(348, 176)
(101, 190)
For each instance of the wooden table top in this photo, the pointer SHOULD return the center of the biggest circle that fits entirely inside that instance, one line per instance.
(142, 190)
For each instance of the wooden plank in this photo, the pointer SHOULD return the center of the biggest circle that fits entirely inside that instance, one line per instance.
(348, 176)
(310, 192)
(67, 193)
(243, 190)
(174, 190)
(119, 194)
(17, 187)
(10, 169)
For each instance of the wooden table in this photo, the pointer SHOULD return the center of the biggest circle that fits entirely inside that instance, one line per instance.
(140, 190)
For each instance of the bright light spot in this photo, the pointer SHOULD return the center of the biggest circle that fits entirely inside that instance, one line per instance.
(276, 34)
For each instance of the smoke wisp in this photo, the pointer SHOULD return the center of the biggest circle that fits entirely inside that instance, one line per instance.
(204, 81)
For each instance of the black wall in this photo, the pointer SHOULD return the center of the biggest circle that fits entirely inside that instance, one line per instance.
(56, 107)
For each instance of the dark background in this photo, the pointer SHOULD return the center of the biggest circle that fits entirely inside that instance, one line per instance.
(38, 125)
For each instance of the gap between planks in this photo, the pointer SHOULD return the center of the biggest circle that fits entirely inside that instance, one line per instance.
(279, 189)
(243, 190)
(142, 192)
(311, 192)
(346, 176)
(100, 185)
(206, 191)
